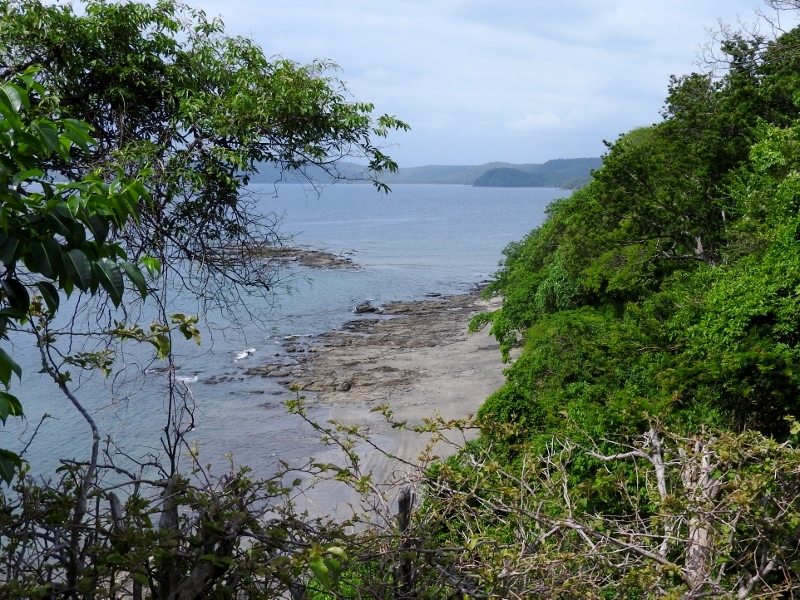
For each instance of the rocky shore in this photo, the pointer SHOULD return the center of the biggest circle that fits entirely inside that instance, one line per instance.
(386, 353)
(316, 259)
(416, 356)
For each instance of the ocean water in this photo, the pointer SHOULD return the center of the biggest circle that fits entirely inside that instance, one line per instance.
(419, 239)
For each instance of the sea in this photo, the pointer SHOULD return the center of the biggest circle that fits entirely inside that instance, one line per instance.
(415, 241)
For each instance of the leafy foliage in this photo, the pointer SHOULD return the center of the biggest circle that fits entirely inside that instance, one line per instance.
(667, 287)
(164, 88)
(644, 444)
(53, 236)
(127, 134)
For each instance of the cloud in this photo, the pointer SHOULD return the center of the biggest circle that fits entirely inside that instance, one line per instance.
(516, 80)
(545, 121)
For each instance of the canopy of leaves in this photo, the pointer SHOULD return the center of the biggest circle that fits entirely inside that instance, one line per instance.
(163, 87)
(669, 287)
(53, 236)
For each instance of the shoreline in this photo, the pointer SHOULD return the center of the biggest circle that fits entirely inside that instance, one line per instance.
(417, 358)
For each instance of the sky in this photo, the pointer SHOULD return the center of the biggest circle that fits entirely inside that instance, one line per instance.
(520, 81)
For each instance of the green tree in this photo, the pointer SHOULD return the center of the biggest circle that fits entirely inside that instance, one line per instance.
(163, 87)
(53, 236)
(130, 143)
(668, 285)
(192, 112)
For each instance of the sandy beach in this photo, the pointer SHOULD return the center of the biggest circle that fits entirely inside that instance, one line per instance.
(417, 357)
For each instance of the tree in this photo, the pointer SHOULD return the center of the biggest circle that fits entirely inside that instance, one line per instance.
(668, 285)
(172, 100)
(53, 236)
(164, 88)
(129, 133)
(712, 515)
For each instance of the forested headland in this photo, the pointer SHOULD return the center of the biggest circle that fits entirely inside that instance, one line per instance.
(568, 173)
(644, 445)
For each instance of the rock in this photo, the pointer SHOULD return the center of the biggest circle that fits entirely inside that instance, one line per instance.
(273, 370)
(315, 259)
(367, 307)
(348, 364)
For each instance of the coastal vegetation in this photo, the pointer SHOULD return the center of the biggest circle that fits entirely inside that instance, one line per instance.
(644, 444)
(128, 132)
(651, 330)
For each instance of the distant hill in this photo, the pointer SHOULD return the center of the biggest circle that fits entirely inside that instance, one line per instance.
(269, 173)
(566, 173)
(505, 177)
(570, 173)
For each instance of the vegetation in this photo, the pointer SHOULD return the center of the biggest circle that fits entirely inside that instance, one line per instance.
(53, 234)
(643, 446)
(666, 288)
(127, 135)
(662, 298)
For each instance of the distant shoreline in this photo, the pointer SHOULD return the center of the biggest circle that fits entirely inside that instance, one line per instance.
(565, 173)
(366, 182)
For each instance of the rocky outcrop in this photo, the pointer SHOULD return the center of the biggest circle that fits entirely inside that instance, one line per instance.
(358, 358)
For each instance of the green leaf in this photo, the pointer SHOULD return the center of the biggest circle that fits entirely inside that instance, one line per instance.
(50, 295)
(61, 219)
(317, 565)
(136, 276)
(162, 345)
(16, 294)
(13, 313)
(25, 175)
(152, 265)
(9, 463)
(7, 366)
(334, 567)
(11, 96)
(77, 140)
(110, 277)
(48, 133)
(79, 128)
(338, 551)
(48, 257)
(66, 284)
(10, 121)
(9, 406)
(99, 227)
(78, 269)
(8, 251)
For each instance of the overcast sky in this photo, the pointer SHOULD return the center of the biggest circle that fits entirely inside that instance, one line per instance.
(507, 80)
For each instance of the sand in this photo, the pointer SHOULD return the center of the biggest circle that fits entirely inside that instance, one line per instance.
(415, 357)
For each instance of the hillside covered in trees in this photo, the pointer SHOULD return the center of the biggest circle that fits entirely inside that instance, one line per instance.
(567, 173)
(652, 330)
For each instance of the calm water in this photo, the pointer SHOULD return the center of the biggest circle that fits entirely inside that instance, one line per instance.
(417, 240)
